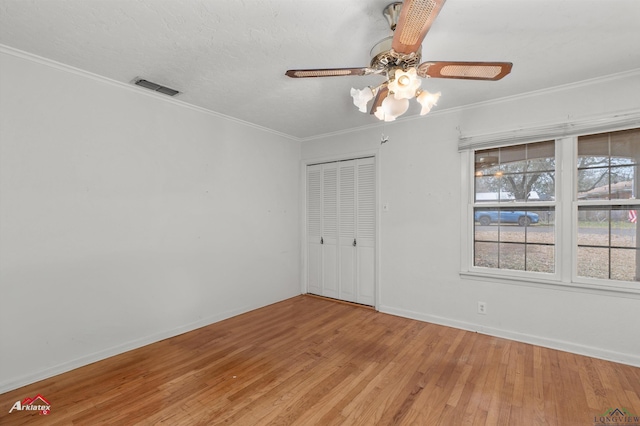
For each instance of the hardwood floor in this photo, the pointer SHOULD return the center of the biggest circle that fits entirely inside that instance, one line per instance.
(309, 361)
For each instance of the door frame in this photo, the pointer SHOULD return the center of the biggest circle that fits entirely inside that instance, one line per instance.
(303, 216)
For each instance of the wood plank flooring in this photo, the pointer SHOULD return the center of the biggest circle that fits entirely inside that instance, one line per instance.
(308, 361)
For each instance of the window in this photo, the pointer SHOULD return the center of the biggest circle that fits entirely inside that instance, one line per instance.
(514, 206)
(607, 235)
(560, 211)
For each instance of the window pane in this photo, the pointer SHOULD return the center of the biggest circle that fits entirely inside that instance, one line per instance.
(594, 146)
(512, 154)
(541, 150)
(624, 232)
(622, 178)
(512, 256)
(487, 187)
(625, 144)
(623, 264)
(486, 255)
(487, 159)
(485, 231)
(544, 230)
(540, 258)
(593, 227)
(593, 262)
(512, 232)
(541, 171)
(593, 184)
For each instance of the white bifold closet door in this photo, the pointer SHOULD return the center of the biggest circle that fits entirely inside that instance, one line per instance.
(341, 230)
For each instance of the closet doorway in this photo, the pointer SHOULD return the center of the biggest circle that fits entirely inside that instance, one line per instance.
(341, 230)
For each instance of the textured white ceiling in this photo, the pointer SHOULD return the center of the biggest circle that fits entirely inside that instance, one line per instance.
(230, 56)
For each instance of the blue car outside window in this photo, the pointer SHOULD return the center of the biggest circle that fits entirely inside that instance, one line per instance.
(486, 217)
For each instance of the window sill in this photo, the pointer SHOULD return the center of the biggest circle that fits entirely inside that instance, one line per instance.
(623, 289)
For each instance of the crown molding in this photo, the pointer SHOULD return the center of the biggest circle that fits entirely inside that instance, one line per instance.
(560, 88)
(498, 101)
(7, 50)
(126, 85)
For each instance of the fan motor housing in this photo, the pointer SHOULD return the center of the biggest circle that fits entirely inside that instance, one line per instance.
(384, 57)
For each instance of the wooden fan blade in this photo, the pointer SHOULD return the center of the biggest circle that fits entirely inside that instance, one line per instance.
(465, 70)
(327, 72)
(382, 93)
(416, 18)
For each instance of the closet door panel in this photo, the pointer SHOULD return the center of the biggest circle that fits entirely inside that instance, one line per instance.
(314, 229)
(365, 230)
(330, 230)
(347, 230)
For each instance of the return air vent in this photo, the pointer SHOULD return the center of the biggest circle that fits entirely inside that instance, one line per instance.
(155, 87)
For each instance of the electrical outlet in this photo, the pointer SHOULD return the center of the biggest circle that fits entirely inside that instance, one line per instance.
(482, 308)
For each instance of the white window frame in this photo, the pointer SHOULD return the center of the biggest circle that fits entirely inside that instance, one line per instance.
(566, 204)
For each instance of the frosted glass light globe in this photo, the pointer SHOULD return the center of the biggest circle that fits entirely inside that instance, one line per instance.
(427, 100)
(405, 84)
(394, 107)
(361, 97)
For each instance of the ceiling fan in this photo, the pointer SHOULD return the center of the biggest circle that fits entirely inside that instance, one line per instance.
(398, 58)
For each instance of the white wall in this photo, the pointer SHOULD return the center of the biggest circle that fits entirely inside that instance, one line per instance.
(126, 218)
(420, 237)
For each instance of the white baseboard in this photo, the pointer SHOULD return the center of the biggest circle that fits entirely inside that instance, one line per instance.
(591, 351)
(630, 359)
(36, 376)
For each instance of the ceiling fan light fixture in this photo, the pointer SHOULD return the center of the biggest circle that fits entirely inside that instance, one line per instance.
(405, 83)
(361, 98)
(427, 100)
(380, 114)
(394, 107)
(399, 56)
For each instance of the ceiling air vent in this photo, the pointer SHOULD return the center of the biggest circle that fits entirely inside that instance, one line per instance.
(155, 87)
